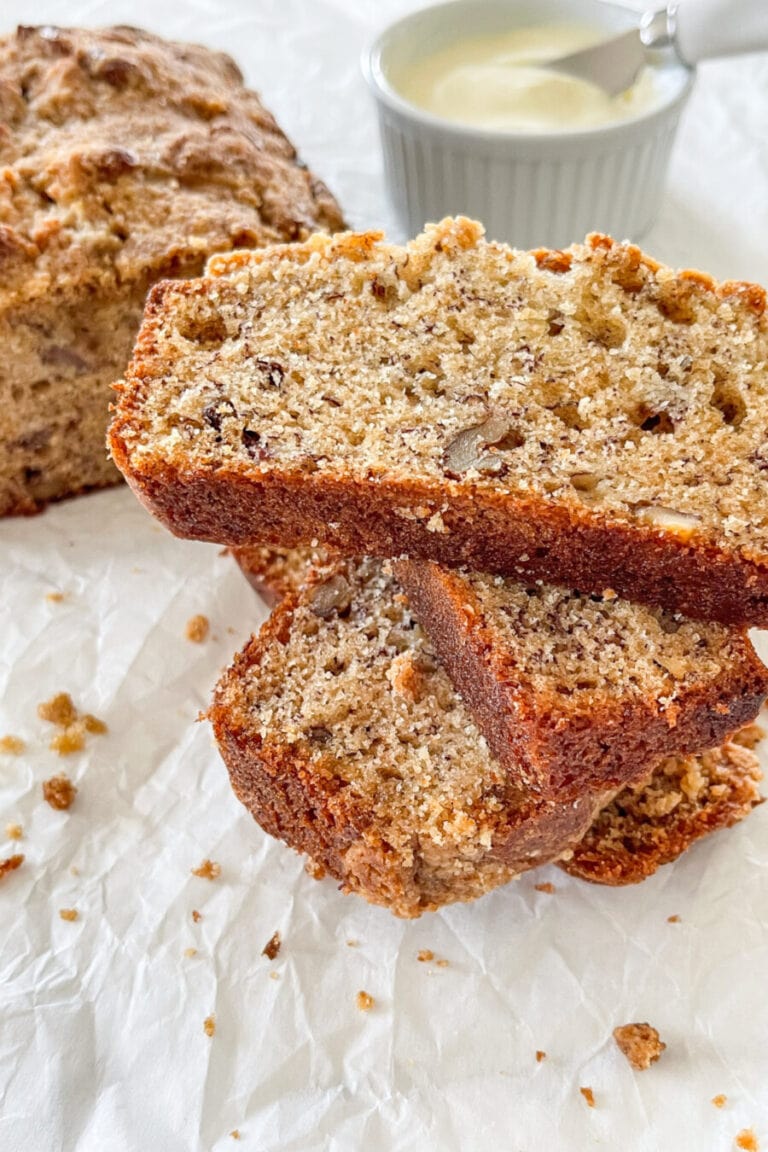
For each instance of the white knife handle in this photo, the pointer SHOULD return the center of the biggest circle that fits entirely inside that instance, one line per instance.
(705, 28)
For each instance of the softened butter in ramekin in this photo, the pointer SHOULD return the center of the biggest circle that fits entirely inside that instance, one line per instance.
(498, 83)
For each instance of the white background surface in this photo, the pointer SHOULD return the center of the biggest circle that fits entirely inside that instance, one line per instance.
(101, 1021)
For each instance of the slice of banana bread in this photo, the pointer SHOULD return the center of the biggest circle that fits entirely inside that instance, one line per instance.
(586, 417)
(650, 825)
(574, 691)
(125, 158)
(345, 738)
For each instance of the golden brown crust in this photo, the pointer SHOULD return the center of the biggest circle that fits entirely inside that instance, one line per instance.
(561, 745)
(646, 827)
(485, 531)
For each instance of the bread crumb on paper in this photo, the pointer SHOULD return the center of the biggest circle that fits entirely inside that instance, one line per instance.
(441, 963)
(747, 1140)
(235, 1133)
(540, 1056)
(545, 887)
(190, 952)
(353, 943)
(11, 745)
(425, 956)
(364, 1001)
(54, 597)
(673, 919)
(197, 629)
(589, 1096)
(209, 1025)
(58, 710)
(14, 831)
(272, 946)
(196, 916)
(720, 1100)
(94, 725)
(10, 864)
(71, 740)
(208, 870)
(70, 914)
(59, 792)
(640, 1043)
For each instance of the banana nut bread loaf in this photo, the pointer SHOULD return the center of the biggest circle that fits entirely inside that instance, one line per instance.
(574, 691)
(587, 417)
(652, 824)
(123, 158)
(345, 738)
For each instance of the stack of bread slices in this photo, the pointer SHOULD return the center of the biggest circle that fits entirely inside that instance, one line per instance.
(512, 508)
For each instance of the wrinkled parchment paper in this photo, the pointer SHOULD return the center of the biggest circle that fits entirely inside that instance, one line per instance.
(102, 1043)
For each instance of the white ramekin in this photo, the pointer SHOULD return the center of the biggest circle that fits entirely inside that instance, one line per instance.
(528, 189)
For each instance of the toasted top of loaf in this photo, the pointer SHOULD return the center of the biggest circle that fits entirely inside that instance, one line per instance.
(592, 379)
(652, 824)
(122, 153)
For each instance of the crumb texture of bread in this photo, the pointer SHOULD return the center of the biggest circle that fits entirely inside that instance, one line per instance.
(599, 421)
(125, 158)
(345, 738)
(640, 1043)
(274, 571)
(687, 798)
(575, 691)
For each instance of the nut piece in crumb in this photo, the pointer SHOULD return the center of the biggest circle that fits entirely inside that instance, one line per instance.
(747, 1140)
(197, 629)
(540, 1056)
(59, 792)
(719, 1101)
(14, 831)
(11, 745)
(209, 1025)
(640, 1043)
(68, 914)
(364, 1001)
(58, 710)
(545, 887)
(426, 955)
(272, 946)
(72, 739)
(10, 864)
(208, 870)
(588, 1095)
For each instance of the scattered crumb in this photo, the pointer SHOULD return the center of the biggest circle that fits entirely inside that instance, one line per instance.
(72, 739)
(208, 870)
(14, 831)
(274, 975)
(364, 1001)
(60, 792)
(68, 913)
(209, 1025)
(54, 597)
(315, 870)
(441, 963)
(353, 943)
(93, 724)
(640, 1043)
(190, 952)
(747, 1140)
(196, 916)
(272, 946)
(58, 710)
(588, 1095)
(545, 887)
(10, 864)
(235, 1134)
(540, 1056)
(673, 919)
(12, 745)
(719, 1100)
(425, 956)
(75, 871)
(197, 629)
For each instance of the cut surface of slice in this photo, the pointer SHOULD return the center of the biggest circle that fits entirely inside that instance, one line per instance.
(344, 737)
(687, 798)
(587, 417)
(574, 691)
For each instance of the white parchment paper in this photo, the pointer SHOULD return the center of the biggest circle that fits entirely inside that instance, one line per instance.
(102, 1045)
